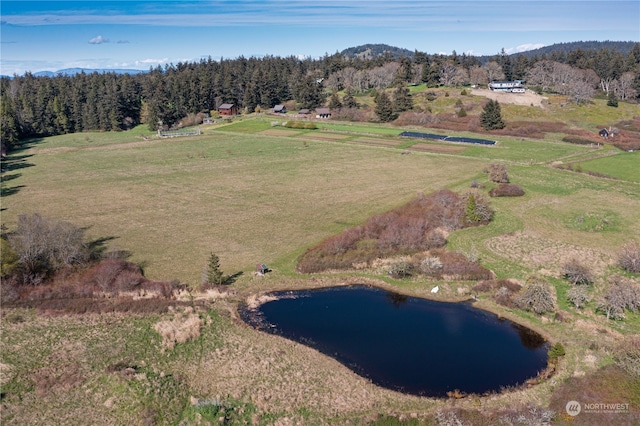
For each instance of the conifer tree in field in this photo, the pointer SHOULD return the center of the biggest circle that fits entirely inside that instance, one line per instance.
(213, 274)
(384, 108)
(491, 117)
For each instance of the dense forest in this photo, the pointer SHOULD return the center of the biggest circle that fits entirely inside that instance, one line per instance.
(167, 96)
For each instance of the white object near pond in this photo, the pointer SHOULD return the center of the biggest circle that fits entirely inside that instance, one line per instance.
(435, 289)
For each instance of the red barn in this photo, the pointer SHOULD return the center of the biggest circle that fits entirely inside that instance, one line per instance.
(228, 109)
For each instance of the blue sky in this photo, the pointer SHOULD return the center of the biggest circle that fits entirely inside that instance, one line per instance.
(138, 34)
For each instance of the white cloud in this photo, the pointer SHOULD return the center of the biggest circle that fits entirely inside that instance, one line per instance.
(98, 40)
(524, 48)
(151, 62)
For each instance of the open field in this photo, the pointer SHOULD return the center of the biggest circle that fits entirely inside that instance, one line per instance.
(440, 148)
(624, 166)
(252, 194)
(249, 199)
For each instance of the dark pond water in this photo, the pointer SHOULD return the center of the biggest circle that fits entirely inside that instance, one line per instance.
(412, 345)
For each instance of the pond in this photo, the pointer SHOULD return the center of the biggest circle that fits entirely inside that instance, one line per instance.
(408, 344)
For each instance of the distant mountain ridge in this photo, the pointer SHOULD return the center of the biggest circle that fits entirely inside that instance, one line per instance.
(74, 71)
(623, 47)
(367, 51)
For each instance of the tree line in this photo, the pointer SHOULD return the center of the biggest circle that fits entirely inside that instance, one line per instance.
(33, 106)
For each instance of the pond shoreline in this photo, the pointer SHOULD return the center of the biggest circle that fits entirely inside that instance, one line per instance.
(252, 302)
(256, 298)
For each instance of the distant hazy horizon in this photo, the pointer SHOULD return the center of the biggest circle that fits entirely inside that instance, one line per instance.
(138, 34)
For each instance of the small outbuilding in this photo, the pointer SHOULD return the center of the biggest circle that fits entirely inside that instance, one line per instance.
(280, 109)
(323, 113)
(304, 111)
(228, 109)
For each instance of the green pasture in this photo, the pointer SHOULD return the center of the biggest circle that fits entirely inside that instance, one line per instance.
(254, 198)
(623, 165)
(250, 198)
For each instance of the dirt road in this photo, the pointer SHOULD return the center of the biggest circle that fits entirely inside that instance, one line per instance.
(527, 98)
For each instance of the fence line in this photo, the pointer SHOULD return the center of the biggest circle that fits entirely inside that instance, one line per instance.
(178, 133)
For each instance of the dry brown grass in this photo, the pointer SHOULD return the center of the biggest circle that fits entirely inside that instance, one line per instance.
(378, 142)
(183, 327)
(546, 255)
(440, 149)
(528, 98)
(325, 136)
(279, 132)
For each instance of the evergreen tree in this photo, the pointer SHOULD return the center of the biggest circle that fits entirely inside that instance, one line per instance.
(213, 274)
(334, 102)
(491, 117)
(384, 108)
(309, 92)
(348, 100)
(471, 210)
(612, 100)
(431, 74)
(402, 100)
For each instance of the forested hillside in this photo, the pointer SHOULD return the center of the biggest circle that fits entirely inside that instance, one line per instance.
(163, 97)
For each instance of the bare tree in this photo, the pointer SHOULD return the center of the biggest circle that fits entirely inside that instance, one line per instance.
(580, 84)
(621, 294)
(478, 75)
(629, 257)
(449, 73)
(536, 296)
(578, 296)
(494, 71)
(576, 272)
(46, 245)
(624, 87)
(383, 76)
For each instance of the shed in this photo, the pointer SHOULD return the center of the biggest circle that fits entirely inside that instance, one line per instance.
(228, 109)
(323, 113)
(280, 109)
(304, 111)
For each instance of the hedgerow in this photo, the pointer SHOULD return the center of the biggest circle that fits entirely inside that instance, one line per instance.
(418, 226)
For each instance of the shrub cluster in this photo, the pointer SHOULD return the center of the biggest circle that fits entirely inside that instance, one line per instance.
(497, 173)
(621, 294)
(44, 246)
(536, 296)
(580, 140)
(629, 257)
(507, 190)
(578, 296)
(503, 291)
(414, 227)
(577, 272)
